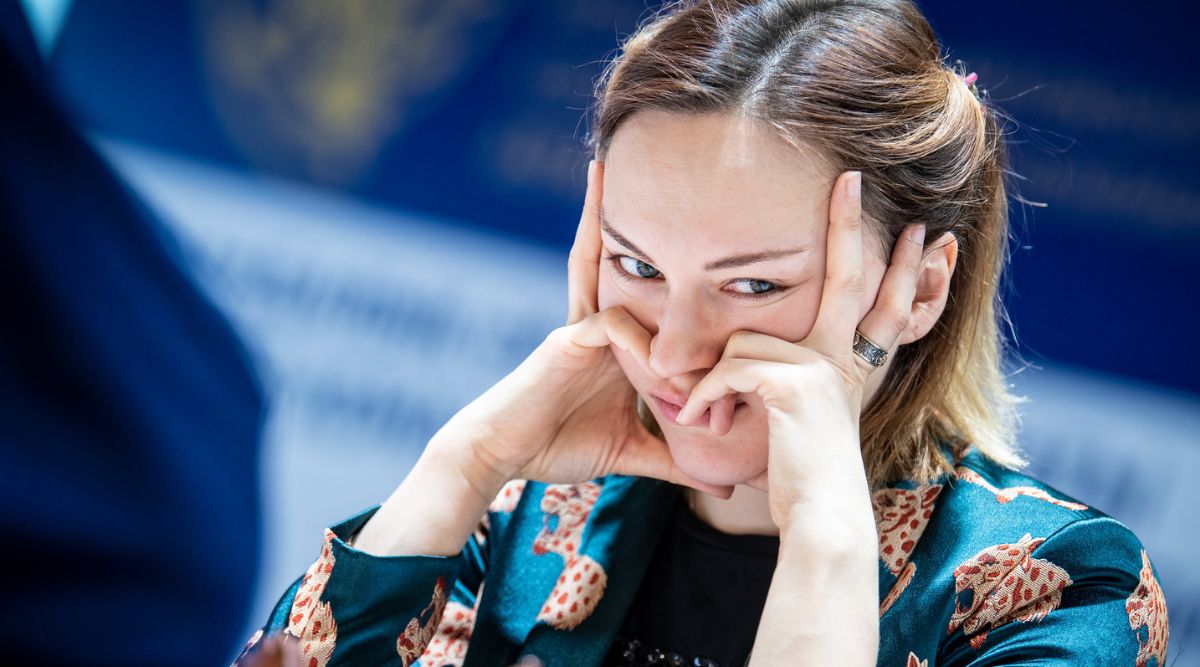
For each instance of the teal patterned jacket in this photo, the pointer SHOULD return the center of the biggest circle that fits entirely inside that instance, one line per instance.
(985, 566)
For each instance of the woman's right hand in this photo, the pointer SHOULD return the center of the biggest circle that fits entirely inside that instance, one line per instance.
(567, 413)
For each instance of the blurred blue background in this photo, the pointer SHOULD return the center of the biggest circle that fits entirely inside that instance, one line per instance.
(382, 192)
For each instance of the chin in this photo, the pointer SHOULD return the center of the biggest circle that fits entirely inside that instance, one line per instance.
(737, 458)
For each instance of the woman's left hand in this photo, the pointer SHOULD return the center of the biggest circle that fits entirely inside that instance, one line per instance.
(813, 389)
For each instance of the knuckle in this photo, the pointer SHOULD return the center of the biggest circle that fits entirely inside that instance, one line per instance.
(560, 340)
(737, 344)
(893, 315)
(850, 281)
(782, 385)
(720, 368)
(901, 318)
(824, 373)
(615, 315)
(916, 261)
(560, 335)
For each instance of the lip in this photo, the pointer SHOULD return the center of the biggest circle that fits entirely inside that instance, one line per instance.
(669, 397)
(671, 410)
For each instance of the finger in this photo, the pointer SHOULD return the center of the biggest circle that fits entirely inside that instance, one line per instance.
(721, 420)
(613, 327)
(844, 281)
(583, 264)
(893, 306)
(729, 376)
(745, 344)
(648, 456)
(706, 392)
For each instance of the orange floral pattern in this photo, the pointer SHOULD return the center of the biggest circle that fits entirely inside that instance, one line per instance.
(448, 646)
(901, 516)
(579, 589)
(582, 581)
(1006, 495)
(1007, 584)
(310, 620)
(416, 636)
(914, 662)
(902, 581)
(510, 493)
(1147, 608)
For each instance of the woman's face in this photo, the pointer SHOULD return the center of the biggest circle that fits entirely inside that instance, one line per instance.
(711, 225)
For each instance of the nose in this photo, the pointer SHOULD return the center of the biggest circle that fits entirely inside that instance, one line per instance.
(687, 340)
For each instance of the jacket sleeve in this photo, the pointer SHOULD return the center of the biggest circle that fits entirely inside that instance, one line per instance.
(355, 608)
(1085, 595)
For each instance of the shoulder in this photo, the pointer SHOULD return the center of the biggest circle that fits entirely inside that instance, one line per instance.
(989, 499)
(980, 504)
(1000, 551)
(984, 507)
(1001, 519)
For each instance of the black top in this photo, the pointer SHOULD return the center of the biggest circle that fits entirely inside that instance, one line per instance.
(701, 598)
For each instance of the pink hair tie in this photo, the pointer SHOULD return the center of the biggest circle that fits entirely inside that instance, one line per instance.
(968, 79)
(970, 82)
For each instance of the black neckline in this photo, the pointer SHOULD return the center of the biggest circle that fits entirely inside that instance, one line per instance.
(762, 546)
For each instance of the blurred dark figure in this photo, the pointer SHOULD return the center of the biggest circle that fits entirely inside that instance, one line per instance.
(129, 419)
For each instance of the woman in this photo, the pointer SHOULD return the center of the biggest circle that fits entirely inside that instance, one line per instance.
(774, 428)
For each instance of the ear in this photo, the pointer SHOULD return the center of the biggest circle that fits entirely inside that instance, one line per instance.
(933, 287)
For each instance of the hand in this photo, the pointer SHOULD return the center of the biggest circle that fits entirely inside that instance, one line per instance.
(813, 389)
(568, 414)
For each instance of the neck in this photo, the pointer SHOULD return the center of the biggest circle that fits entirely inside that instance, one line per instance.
(746, 512)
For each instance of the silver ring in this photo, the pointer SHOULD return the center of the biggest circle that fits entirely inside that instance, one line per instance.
(872, 353)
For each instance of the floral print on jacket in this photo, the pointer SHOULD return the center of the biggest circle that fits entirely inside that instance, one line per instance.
(986, 566)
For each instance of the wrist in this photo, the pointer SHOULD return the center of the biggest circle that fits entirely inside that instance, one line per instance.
(459, 458)
(833, 531)
(433, 512)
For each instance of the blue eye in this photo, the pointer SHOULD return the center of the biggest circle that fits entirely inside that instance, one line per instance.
(754, 286)
(636, 267)
(634, 270)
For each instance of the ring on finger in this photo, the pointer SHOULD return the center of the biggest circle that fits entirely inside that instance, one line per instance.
(869, 351)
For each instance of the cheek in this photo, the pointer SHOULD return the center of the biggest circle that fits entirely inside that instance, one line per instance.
(610, 293)
(792, 319)
(631, 369)
(606, 293)
(802, 313)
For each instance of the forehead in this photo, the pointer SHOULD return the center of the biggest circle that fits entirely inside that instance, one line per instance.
(729, 177)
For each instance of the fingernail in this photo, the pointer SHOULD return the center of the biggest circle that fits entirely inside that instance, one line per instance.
(919, 235)
(854, 187)
(679, 417)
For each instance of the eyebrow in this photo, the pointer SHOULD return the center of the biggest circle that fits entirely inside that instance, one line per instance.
(730, 262)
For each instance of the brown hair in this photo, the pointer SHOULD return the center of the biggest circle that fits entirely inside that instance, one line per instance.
(863, 82)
